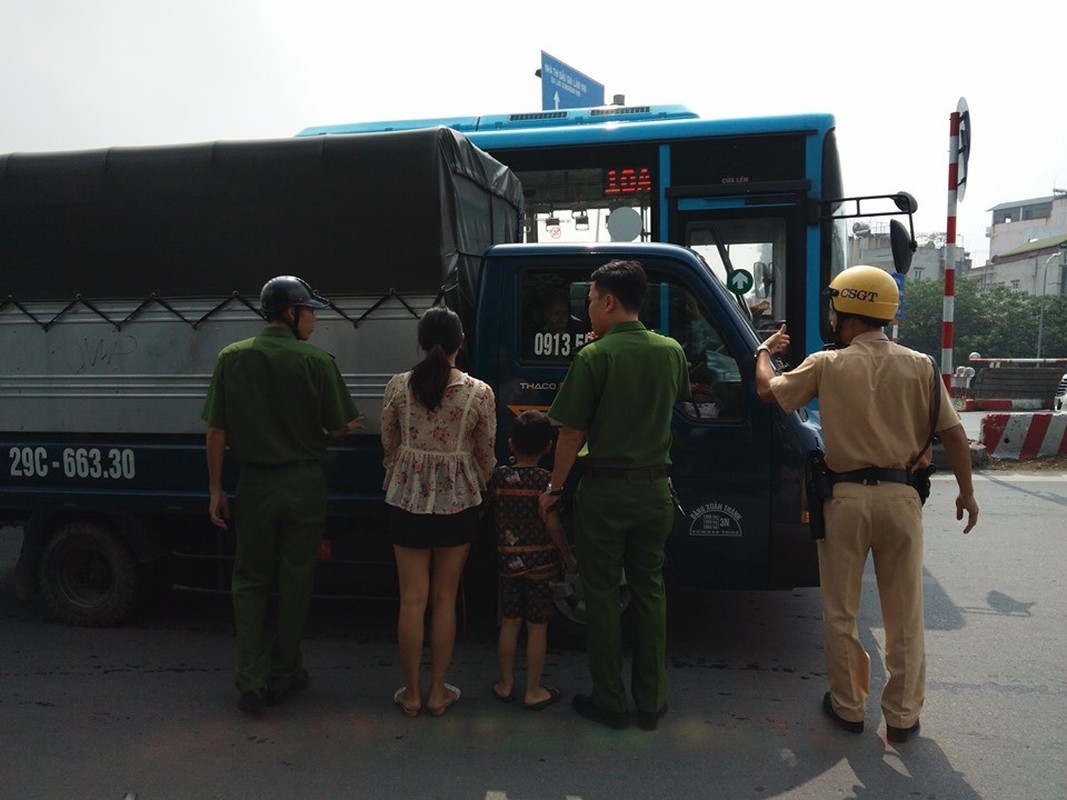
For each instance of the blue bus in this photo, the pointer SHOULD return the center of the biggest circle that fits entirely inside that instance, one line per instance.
(759, 197)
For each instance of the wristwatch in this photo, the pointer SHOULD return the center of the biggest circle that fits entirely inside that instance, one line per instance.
(762, 347)
(552, 490)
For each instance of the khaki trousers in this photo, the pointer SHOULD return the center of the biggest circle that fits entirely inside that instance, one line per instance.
(885, 520)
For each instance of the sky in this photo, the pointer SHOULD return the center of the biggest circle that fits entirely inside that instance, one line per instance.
(86, 74)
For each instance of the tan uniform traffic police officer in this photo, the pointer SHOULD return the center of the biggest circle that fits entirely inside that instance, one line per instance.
(618, 396)
(875, 400)
(271, 400)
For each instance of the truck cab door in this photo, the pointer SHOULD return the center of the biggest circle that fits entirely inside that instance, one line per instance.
(722, 439)
(723, 442)
(527, 336)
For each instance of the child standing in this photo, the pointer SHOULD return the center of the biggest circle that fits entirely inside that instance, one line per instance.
(529, 553)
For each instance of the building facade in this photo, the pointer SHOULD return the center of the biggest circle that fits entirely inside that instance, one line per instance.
(1028, 246)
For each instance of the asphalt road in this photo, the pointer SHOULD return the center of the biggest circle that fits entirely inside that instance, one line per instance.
(148, 708)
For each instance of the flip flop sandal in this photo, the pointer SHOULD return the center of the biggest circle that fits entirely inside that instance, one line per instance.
(554, 694)
(436, 712)
(407, 711)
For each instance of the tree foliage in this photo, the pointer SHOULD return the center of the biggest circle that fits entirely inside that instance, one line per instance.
(997, 322)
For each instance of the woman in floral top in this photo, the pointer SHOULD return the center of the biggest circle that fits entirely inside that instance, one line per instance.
(438, 431)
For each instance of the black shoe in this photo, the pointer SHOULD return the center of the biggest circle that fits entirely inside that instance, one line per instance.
(848, 725)
(279, 693)
(253, 701)
(898, 735)
(648, 720)
(583, 704)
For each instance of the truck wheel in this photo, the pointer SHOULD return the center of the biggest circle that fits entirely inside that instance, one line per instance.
(567, 627)
(87, 575)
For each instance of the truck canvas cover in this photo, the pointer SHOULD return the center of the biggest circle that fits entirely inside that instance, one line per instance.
(359, 214)
(123, 272)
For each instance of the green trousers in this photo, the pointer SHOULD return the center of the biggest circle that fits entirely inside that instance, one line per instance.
(281, 517)
(624, 524)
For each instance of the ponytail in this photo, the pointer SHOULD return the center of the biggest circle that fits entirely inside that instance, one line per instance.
(440, 335)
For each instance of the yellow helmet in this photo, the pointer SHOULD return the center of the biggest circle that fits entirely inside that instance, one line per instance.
(865, 292)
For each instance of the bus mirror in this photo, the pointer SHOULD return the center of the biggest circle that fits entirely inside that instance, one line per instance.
(902, 245)
(763, 277)
(906, 203)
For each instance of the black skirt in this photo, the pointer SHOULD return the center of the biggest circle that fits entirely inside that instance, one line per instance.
(433, 530)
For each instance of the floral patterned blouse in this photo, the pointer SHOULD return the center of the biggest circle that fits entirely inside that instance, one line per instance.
(438, 462)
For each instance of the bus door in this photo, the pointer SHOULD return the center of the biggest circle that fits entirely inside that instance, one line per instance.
(768, 238)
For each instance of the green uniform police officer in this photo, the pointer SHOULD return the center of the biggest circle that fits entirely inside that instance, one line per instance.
(618, 398)
(271, 401)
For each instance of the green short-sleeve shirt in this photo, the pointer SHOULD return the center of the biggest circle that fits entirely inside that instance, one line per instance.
(276, 397)
(621, 390)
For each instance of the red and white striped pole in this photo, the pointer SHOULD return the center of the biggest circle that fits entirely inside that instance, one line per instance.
(950, 250)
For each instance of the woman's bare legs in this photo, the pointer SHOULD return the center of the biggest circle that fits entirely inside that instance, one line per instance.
(413, 573)
(444, 586)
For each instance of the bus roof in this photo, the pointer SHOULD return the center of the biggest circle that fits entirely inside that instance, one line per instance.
(524, 120)
(591, 125)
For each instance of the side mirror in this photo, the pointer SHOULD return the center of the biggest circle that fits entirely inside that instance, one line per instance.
(905, 202)
(902, 245)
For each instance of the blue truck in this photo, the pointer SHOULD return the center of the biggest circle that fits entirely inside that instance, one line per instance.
(124, 271)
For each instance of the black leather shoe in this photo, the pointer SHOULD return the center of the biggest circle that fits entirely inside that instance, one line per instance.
(279, 693)
(898, 735)
(648, 720)
(583, 704)
(844, 724)
(253, 701)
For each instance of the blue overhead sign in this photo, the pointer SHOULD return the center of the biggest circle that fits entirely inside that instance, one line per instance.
(563, 86)
(899, 279)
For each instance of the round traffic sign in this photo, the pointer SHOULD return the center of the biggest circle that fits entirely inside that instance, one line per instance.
(739, 281)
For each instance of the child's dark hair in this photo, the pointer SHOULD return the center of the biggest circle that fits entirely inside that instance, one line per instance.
(440, 335)
(531, 432)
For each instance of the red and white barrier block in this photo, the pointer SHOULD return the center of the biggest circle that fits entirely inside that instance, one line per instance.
(972, 404)
(1024, 436)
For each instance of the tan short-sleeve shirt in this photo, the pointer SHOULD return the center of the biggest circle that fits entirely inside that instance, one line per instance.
(875, 398)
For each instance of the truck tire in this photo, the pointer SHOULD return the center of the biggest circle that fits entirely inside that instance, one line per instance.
(567, 627)
(87, 575)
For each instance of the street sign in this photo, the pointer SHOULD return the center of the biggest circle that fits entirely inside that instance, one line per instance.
(739, 282)
(562, 86)
(900, 289)
(964, 151)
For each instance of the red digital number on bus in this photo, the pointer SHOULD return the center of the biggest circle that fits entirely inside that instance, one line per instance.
(627, 180)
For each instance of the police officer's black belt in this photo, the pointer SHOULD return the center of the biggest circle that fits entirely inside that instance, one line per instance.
(870, 476)
(625, 473)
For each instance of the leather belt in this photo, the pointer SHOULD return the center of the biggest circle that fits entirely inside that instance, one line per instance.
(871, 476)
(625, 473)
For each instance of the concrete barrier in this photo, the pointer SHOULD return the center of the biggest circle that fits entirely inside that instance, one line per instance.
(988, 404)
(1024, 436)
